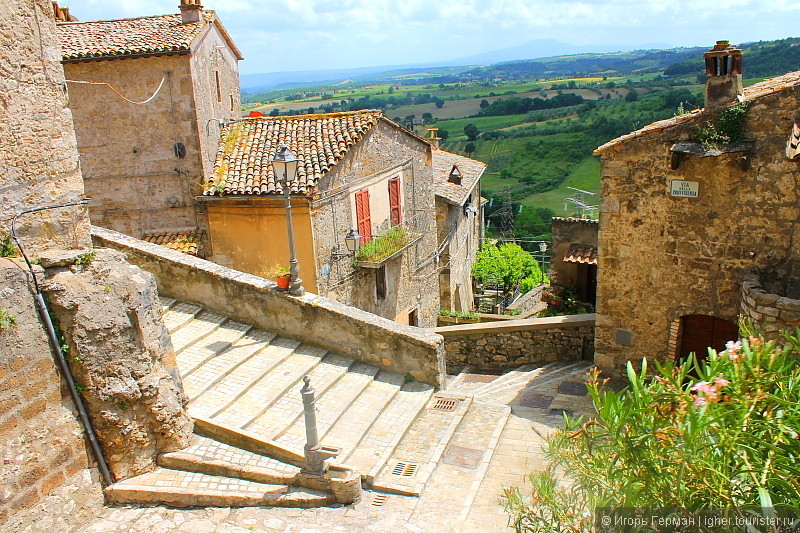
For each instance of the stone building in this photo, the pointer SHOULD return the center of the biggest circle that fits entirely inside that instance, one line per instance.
(683, 221)
(357, 171)
(106, 309)
(149, 96)
(458, 225)
(574, 252)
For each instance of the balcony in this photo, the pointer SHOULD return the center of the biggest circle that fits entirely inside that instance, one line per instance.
(386, 246)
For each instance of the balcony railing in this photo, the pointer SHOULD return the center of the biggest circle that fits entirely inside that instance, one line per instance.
(386, 245)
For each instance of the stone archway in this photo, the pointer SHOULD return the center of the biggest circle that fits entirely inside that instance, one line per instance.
(700, 332)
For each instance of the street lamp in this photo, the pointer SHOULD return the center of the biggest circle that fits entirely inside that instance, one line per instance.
(543, 250)
(285, 166)
(352, 240)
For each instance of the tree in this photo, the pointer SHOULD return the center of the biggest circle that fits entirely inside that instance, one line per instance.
(632, 96)
(507, 263)
(427, 118)
(438, 102)
(484, 104)
(443, 134)
(469, 147)
(471, 131)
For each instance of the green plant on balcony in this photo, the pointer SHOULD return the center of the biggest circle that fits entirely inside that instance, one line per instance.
(384, 245)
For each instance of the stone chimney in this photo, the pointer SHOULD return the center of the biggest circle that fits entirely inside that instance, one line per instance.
(723, 75)
(433, 137)
(61, 14)
(191, 11)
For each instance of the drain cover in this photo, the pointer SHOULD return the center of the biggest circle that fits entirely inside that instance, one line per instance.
(379, 500)
(446, 404)
(572, 388)
(537, 401)
(405, 469)
(463, 457)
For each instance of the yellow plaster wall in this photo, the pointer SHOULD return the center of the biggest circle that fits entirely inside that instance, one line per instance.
(251, 236)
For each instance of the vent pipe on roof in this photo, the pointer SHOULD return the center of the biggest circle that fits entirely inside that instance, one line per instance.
(723, 75)
(433, 137)
(191, 11)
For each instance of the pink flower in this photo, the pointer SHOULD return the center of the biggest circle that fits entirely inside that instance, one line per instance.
(721, 382)
(734, 350)
(699, 401)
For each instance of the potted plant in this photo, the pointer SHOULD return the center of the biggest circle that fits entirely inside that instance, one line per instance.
(282, 277)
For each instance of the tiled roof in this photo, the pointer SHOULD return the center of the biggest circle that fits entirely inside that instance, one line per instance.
(187, 241)
(319, 141)
(162, 34)
(581, 253)
(470, 169)
(758, 90)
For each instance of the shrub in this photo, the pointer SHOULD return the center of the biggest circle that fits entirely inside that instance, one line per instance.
(7, 246)
(717, 433)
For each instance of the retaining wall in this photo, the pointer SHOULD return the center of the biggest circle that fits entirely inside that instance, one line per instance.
(511, 343)
(769, 311)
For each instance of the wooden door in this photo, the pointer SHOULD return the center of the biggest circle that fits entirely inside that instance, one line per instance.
(701, 332)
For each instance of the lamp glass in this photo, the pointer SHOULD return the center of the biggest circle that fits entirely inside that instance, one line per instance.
(285, 165)
(351, 240)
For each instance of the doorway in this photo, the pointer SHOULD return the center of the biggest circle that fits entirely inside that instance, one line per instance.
(701, 332)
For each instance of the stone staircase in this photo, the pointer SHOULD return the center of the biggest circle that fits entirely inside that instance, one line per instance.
(401, 436)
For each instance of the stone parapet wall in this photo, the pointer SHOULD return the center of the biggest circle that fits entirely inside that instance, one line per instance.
(517, 342)
(771, 312)
(311, 318)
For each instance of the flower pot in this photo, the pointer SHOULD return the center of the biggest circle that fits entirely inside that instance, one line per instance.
(283, 281)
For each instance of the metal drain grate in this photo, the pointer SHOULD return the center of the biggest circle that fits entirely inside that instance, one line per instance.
(405, 469)
(446, 404)
(379, 500)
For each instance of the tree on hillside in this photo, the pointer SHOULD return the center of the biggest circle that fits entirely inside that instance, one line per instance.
(443, 134)
(632, 96)
(471, 131)
(469, 148)
(427, 118)
(507, 264)
(484, 104)
(438, 102)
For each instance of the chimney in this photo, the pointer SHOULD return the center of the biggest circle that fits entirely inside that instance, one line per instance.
(723, 75)
(191, 11)
(433, 138)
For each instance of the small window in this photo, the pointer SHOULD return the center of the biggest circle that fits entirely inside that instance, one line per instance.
(395, 208)
(380, 282)
(219, 89)
(413, 318)
(363, 218)
(233, 103)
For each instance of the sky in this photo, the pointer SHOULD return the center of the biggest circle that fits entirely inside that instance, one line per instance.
(289, 35)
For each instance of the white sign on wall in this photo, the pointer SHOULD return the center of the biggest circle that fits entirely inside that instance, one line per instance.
(684, 189)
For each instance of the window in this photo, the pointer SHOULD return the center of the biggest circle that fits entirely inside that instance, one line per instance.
(233, 103)
(363, 220)
(395, 209)
(380, 282)
(219, 89)
(413, 318)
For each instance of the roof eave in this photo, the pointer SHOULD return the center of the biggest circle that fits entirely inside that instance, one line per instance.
(109, 57)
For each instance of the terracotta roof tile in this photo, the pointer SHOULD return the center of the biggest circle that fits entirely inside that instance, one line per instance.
(754, 92)
(581, 253)
(470, 169)
(187, 241)
(319, 141)
(144, 35)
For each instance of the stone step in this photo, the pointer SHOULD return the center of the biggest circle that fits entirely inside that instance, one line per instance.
(375, 447)
(230, 388)
(202, 379)
(199, 353)
(363, 413)
(179, 314)
(277, 392)
(330, 406)
(209, 456)
(166, 302)
(463, 464)
(413, 460)
(510, 379)
(195, 330)
(535, 382)
(176, 488)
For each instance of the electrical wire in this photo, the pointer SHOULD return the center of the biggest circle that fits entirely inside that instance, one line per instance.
(160, 85)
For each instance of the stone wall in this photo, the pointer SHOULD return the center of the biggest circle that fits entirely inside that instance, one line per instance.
(412, 279)
(772, 312)
(38, 157)
(41, 440)
(665, 257)
(136, 182)
(508, 344)
(311, 318)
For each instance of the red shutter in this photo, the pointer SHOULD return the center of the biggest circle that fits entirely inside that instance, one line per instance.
(363, 216)
(395, 210)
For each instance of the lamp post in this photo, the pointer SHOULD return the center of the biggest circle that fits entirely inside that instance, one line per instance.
(285, 166)
(543, 250)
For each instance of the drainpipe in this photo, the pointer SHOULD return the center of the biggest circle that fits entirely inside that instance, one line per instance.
(44, 314)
